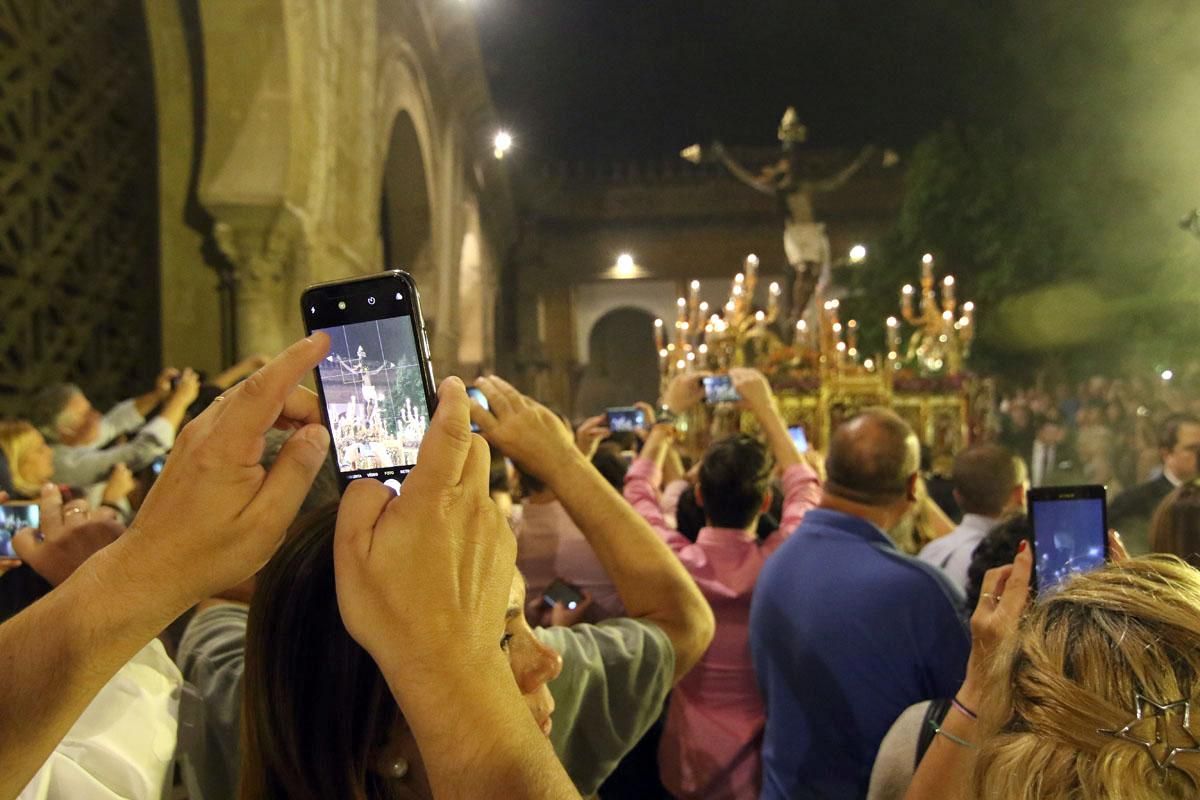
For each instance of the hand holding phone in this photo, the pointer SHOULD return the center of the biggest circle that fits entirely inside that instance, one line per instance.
(1070, 533)
(719, 389)
(626, 419)
(376, 384)
(561, 593)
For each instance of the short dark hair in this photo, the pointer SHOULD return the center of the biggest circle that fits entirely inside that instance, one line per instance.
(48, 404)
(1168, 430)
(984, 477)
(689, 516)
(735, 475)
(996, 549)
(869, 458)
(611, 462)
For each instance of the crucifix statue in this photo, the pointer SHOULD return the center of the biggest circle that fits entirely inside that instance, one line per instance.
(805, 242)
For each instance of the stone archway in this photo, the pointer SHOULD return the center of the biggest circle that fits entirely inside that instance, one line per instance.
(622, 364)
(405, 216)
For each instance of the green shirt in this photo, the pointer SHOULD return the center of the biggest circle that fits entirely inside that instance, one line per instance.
(614, 680)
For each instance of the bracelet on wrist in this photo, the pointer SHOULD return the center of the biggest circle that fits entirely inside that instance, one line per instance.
(962, 709)
(937, 729)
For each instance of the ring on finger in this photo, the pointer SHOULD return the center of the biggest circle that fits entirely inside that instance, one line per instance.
(995, 598)
(73, 510)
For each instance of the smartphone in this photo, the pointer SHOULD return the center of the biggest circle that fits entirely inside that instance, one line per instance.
(479, 397)
(376, 385)
(559, 592)
(156, 466)
(1070, 532)
(626, 419)
(13, 517)
(799, 438)
(719, 389)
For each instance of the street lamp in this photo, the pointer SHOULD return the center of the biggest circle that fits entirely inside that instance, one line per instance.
(501, 143)
(626, 267)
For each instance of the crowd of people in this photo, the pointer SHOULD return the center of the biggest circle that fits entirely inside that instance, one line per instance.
(549, 610)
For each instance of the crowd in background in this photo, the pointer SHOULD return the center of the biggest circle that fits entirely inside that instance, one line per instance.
(552, 609)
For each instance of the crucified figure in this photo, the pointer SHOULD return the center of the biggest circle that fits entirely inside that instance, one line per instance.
(805, 242)
(367, 390)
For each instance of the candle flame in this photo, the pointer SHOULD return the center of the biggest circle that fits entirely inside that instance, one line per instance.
(948, 280)
(681, 302)
(908, 289)
(658, 323)
(927, 258)
(892, 322)
(968, 306)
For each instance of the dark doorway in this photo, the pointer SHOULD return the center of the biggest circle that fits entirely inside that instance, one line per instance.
(622, 364)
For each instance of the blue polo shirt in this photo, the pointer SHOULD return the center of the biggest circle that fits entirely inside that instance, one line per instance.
(846, 632)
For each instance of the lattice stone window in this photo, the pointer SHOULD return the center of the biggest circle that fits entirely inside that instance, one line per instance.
(78, 199)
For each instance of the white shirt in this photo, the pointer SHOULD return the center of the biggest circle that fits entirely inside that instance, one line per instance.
(952, 552)
(1043, 462)
(123, 745)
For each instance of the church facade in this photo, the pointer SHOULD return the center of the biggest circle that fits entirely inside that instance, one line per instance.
(174, 173)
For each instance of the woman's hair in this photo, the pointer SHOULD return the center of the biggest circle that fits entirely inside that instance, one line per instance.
(1175, 528)
(316, 709)
(1066, 684)
(16, 437)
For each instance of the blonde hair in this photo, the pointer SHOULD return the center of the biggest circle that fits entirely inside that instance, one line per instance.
(17, 437)
(1073, 670)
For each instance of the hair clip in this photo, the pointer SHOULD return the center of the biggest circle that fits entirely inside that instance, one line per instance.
(1162, 748)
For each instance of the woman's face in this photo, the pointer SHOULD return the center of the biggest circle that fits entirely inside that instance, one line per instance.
(37, 461)
(534, 664)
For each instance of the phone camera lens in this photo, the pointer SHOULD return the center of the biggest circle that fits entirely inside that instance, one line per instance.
(341, 305)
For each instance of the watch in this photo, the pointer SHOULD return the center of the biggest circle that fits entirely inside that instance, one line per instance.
(665, 416)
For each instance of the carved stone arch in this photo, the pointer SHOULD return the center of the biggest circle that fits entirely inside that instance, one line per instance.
(622, 366)
(407, 134)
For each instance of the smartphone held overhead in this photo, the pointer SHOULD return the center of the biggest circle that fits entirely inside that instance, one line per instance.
(1070, 533)
(559, 592)
(719, 389)
(376, 384)
(625, 420)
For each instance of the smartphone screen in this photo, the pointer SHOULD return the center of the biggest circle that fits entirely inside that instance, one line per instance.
(719, 389)
(625, 420)
(799, 438)
(376, 383)
(1070, 532)
(479, 397)
(559, 592)
(13, 517)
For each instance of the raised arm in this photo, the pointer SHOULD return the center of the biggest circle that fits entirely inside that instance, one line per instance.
(650, 580)
(801, 477)
(209, 522)
(838, 180)
(641, 483)
(738, 171)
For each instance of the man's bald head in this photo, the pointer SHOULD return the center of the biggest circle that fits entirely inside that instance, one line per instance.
(872, 458)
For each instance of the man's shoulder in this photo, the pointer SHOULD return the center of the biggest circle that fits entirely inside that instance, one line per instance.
(1138, 500)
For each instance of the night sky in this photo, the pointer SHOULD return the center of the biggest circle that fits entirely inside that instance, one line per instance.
(643, 78)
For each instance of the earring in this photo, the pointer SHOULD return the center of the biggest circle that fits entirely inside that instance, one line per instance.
(398, 768)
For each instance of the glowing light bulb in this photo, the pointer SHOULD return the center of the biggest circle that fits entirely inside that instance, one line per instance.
(858, 253)
(502, 142)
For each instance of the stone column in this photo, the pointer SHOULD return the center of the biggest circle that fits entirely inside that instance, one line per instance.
(268, 247)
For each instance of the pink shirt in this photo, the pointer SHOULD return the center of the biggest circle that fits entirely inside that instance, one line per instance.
(710, 746)
(550, 546)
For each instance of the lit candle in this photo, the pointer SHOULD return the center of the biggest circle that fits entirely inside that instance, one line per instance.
(694, 293)
(927, 267)
(906, 295)
(759, 318)
(852, 336)
(801, 337)
(681, 304)
(948, 291)
(773, 298)
(893, 334)
(658, 334)
(751, 266)
(968, 312)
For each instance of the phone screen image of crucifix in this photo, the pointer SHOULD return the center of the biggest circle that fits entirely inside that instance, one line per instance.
(374, 395)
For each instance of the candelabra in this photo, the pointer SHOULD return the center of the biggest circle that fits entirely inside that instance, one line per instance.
(941, 341)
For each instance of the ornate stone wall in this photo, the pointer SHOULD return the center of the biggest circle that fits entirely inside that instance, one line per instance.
(681, 222)
(78, 199)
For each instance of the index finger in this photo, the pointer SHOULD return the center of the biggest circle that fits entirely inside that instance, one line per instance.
(50, 513)
(256, 403)
(1016, 587)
